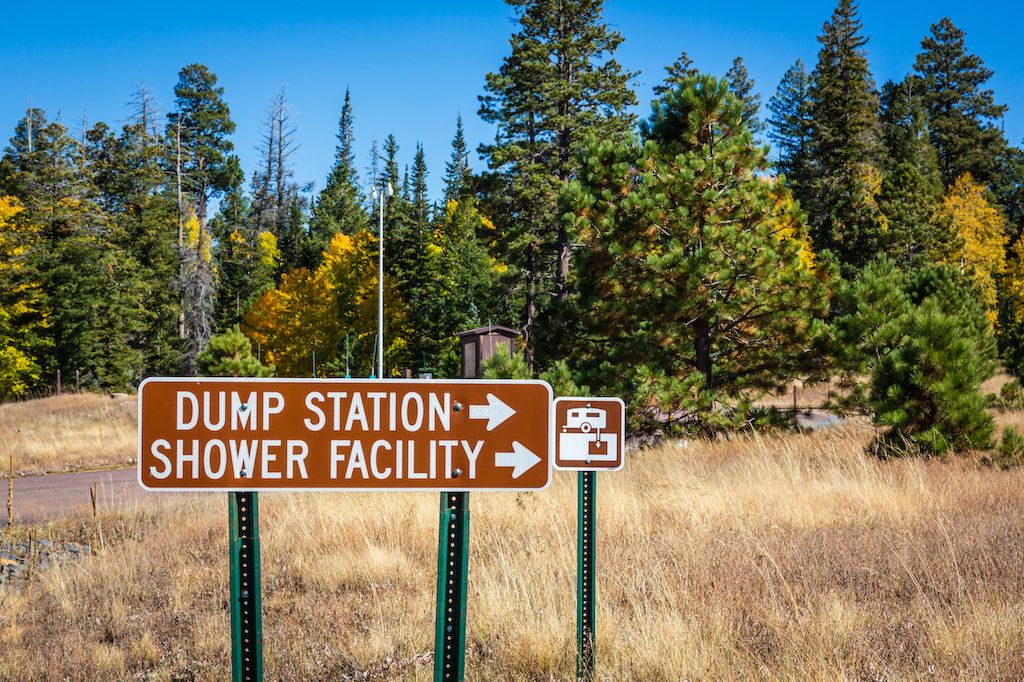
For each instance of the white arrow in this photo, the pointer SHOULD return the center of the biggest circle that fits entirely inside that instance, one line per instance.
(495, 411)
(520, 459)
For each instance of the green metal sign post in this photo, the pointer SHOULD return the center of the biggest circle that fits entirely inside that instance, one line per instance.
(585, 574)
(246, 609)
(452, 570)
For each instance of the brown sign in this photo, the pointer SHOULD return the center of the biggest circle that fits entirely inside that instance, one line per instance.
(353, 434)
(590, 433)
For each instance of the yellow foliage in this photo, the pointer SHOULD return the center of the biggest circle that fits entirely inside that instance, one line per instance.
(316, 310)
(788, 227)
(966, 211)
(20, 301)
(872, 179)
(270, 253)
(191, 226)
(1013, 282)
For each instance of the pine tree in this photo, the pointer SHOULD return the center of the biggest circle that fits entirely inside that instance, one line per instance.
(845, 146)
(928, 390)
(559, 84)
(1009, 190)
(790, 127)
(963, 116)
(872, 313)
(912, 187)
(698, 282)
(457, 175)
(206, 168)
(678, 72)
(340, 205)
(229, 354)
(742, 86)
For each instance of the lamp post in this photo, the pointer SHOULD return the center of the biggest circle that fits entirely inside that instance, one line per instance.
(378, 195)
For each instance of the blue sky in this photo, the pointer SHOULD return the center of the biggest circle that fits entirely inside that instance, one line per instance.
(412, 66)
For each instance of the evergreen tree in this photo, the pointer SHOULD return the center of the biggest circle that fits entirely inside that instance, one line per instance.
(963, 116)
(742, 86)
(698, 283)
(678, 72)
(339, 206)
(229, 354)
(420, 209)
(872, 313)
(206, 168)
(928, 390)
(1009, 190)
(457, 175)
(845, 146)
(559, 84)
(912, 187)
(790, 127)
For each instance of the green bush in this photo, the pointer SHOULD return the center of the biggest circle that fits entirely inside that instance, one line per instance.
(1011, 395)
(928, 389)
(1011, 450)
(229, 354)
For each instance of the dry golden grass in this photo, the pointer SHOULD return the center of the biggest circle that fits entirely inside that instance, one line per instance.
(71, 432)
(771, 557)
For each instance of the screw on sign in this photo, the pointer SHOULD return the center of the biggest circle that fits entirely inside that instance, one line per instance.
(590, 437)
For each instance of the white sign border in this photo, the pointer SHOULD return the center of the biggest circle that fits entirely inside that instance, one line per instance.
(554, 429)
(354, 380)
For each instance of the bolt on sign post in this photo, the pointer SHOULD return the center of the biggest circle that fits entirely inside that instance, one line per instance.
(590, 436)
(250, 435)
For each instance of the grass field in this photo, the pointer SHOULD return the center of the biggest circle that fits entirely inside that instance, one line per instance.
(71, 432)
(782, 557)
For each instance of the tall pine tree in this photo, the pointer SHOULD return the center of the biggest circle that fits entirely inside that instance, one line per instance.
(742, 85)
(963, 116)
(340, 205)
(199, 132)
(845, 144)
(457, 174)
(790, 127)
(559, 84)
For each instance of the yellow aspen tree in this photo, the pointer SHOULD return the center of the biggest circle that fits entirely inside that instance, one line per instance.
(981, 228)
(315, 311)
(22, 316)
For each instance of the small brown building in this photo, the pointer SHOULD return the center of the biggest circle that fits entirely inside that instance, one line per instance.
(478, 345)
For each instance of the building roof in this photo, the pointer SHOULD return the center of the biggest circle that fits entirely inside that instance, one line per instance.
(489, 329)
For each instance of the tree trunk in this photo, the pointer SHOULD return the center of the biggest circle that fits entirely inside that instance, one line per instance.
(702, 350)
(530, 310)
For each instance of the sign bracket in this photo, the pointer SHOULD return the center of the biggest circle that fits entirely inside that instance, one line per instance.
(246, 601)
(452, 571)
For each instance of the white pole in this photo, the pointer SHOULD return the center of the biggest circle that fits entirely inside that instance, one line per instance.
(380, 292)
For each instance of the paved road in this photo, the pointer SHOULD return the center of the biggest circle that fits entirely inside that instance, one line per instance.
(37, 498)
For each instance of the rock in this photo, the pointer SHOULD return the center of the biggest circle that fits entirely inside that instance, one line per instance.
(45, 543)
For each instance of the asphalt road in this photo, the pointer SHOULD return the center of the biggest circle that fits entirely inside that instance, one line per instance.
(38, 498)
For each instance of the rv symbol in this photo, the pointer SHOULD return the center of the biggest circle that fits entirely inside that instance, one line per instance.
(585, 420)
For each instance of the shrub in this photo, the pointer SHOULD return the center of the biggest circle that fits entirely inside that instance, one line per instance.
(1011, 395)
(1011, 450)
(928, 389)
(230, 355)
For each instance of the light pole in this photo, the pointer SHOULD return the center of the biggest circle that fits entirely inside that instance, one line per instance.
(379, 195)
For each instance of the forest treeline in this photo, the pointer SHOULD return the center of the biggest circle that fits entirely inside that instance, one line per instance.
(674, 259)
